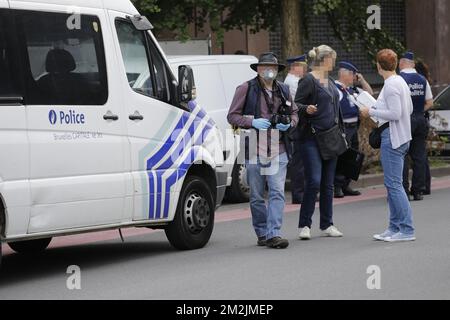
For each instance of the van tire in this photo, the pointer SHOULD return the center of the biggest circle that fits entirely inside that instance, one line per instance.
(30, 246)
(194, 219)
(239, 191)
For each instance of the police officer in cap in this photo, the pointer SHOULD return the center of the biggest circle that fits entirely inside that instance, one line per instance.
(349, 81)
(422, 98)
(298, 67)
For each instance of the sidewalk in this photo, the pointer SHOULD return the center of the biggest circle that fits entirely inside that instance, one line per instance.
(371, 180)
(378, 179)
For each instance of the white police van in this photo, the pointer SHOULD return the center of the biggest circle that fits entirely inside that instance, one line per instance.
(83, 148)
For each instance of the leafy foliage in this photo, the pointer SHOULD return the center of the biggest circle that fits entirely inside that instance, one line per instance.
(347, 17)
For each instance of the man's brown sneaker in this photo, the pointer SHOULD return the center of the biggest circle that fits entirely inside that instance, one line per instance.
(277, 243)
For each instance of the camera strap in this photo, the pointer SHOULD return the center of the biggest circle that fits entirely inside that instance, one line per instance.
(270, 102)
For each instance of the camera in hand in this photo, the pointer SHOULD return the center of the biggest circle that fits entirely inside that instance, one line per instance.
(280, 119)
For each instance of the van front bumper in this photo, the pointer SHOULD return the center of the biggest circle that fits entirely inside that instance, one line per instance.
(221, 179)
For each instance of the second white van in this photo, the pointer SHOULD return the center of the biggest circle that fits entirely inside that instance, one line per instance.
(216, 78)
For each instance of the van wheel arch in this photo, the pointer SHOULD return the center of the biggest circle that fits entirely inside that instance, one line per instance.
(206, 172)
(2, 225)
(2, 218)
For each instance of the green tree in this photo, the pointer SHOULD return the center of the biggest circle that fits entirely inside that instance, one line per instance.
(347, 17)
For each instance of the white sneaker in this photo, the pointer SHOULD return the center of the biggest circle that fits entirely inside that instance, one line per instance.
(399, 237)
(382, 237)
(305, 234)
(332, 232)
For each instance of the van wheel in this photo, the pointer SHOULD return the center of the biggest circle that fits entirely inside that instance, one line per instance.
(30, 246)
(194, 218)
(239, 191)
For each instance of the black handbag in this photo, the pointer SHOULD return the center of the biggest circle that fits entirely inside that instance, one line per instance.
(350, 164)
(332, 143)
(375, 136)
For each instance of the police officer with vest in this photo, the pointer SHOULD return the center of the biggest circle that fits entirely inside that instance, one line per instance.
(349, 81)
(422, 98)
(265, 107)
(298, 67)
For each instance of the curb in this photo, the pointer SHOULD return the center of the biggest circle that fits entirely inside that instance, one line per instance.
(371, 180)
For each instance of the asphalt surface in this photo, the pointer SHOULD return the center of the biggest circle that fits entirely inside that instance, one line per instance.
(231, 267)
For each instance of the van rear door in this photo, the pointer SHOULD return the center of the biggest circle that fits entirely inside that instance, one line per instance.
(76, 125)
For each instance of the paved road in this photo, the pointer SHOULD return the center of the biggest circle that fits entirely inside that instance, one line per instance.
(232, 267)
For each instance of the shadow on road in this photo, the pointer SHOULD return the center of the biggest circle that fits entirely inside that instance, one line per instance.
(23, 268)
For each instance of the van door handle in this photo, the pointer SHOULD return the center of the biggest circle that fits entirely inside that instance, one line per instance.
(136, 117)
(110, 116)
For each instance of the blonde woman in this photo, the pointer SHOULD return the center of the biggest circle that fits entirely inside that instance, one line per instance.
(316, 98)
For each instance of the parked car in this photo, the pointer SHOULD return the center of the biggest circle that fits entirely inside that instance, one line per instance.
(86, 149)
(216, 79)
(440, 117)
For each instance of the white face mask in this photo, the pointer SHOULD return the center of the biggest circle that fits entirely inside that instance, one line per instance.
(269, 74)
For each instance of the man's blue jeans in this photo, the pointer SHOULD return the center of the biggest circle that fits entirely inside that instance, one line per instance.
(319, 176)
(267, 219)
(392, 161)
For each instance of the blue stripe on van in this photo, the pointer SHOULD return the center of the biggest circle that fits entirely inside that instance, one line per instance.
(151, 163)
(176, 176)
(152, 192)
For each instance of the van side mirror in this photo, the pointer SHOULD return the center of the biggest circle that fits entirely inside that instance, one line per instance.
(186, 84)
(141, 23)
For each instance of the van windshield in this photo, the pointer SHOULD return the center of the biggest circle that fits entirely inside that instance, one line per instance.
(8, 76)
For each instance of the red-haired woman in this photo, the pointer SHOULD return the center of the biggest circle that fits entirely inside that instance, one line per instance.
(392, 112)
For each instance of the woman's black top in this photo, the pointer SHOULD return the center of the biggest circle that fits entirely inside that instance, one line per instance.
(312, 92)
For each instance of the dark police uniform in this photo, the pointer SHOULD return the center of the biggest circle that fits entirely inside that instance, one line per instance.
(296, 169)
(350, 113)
(419, 131)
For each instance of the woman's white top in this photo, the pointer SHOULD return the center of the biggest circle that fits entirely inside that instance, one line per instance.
(394, 105)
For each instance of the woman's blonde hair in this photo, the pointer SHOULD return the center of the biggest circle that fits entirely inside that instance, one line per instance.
(318, 54)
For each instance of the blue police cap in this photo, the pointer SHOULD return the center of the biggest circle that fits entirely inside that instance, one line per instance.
(298, 59)
(348, 66)
(409, 55)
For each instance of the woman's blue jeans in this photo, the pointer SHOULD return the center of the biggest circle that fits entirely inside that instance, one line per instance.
(392, 161)
(319, 176)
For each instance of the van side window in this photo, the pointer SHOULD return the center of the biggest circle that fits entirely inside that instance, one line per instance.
(9, 73)
(159, 68)
(144, 65)
(134, 53)
(67, 64)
